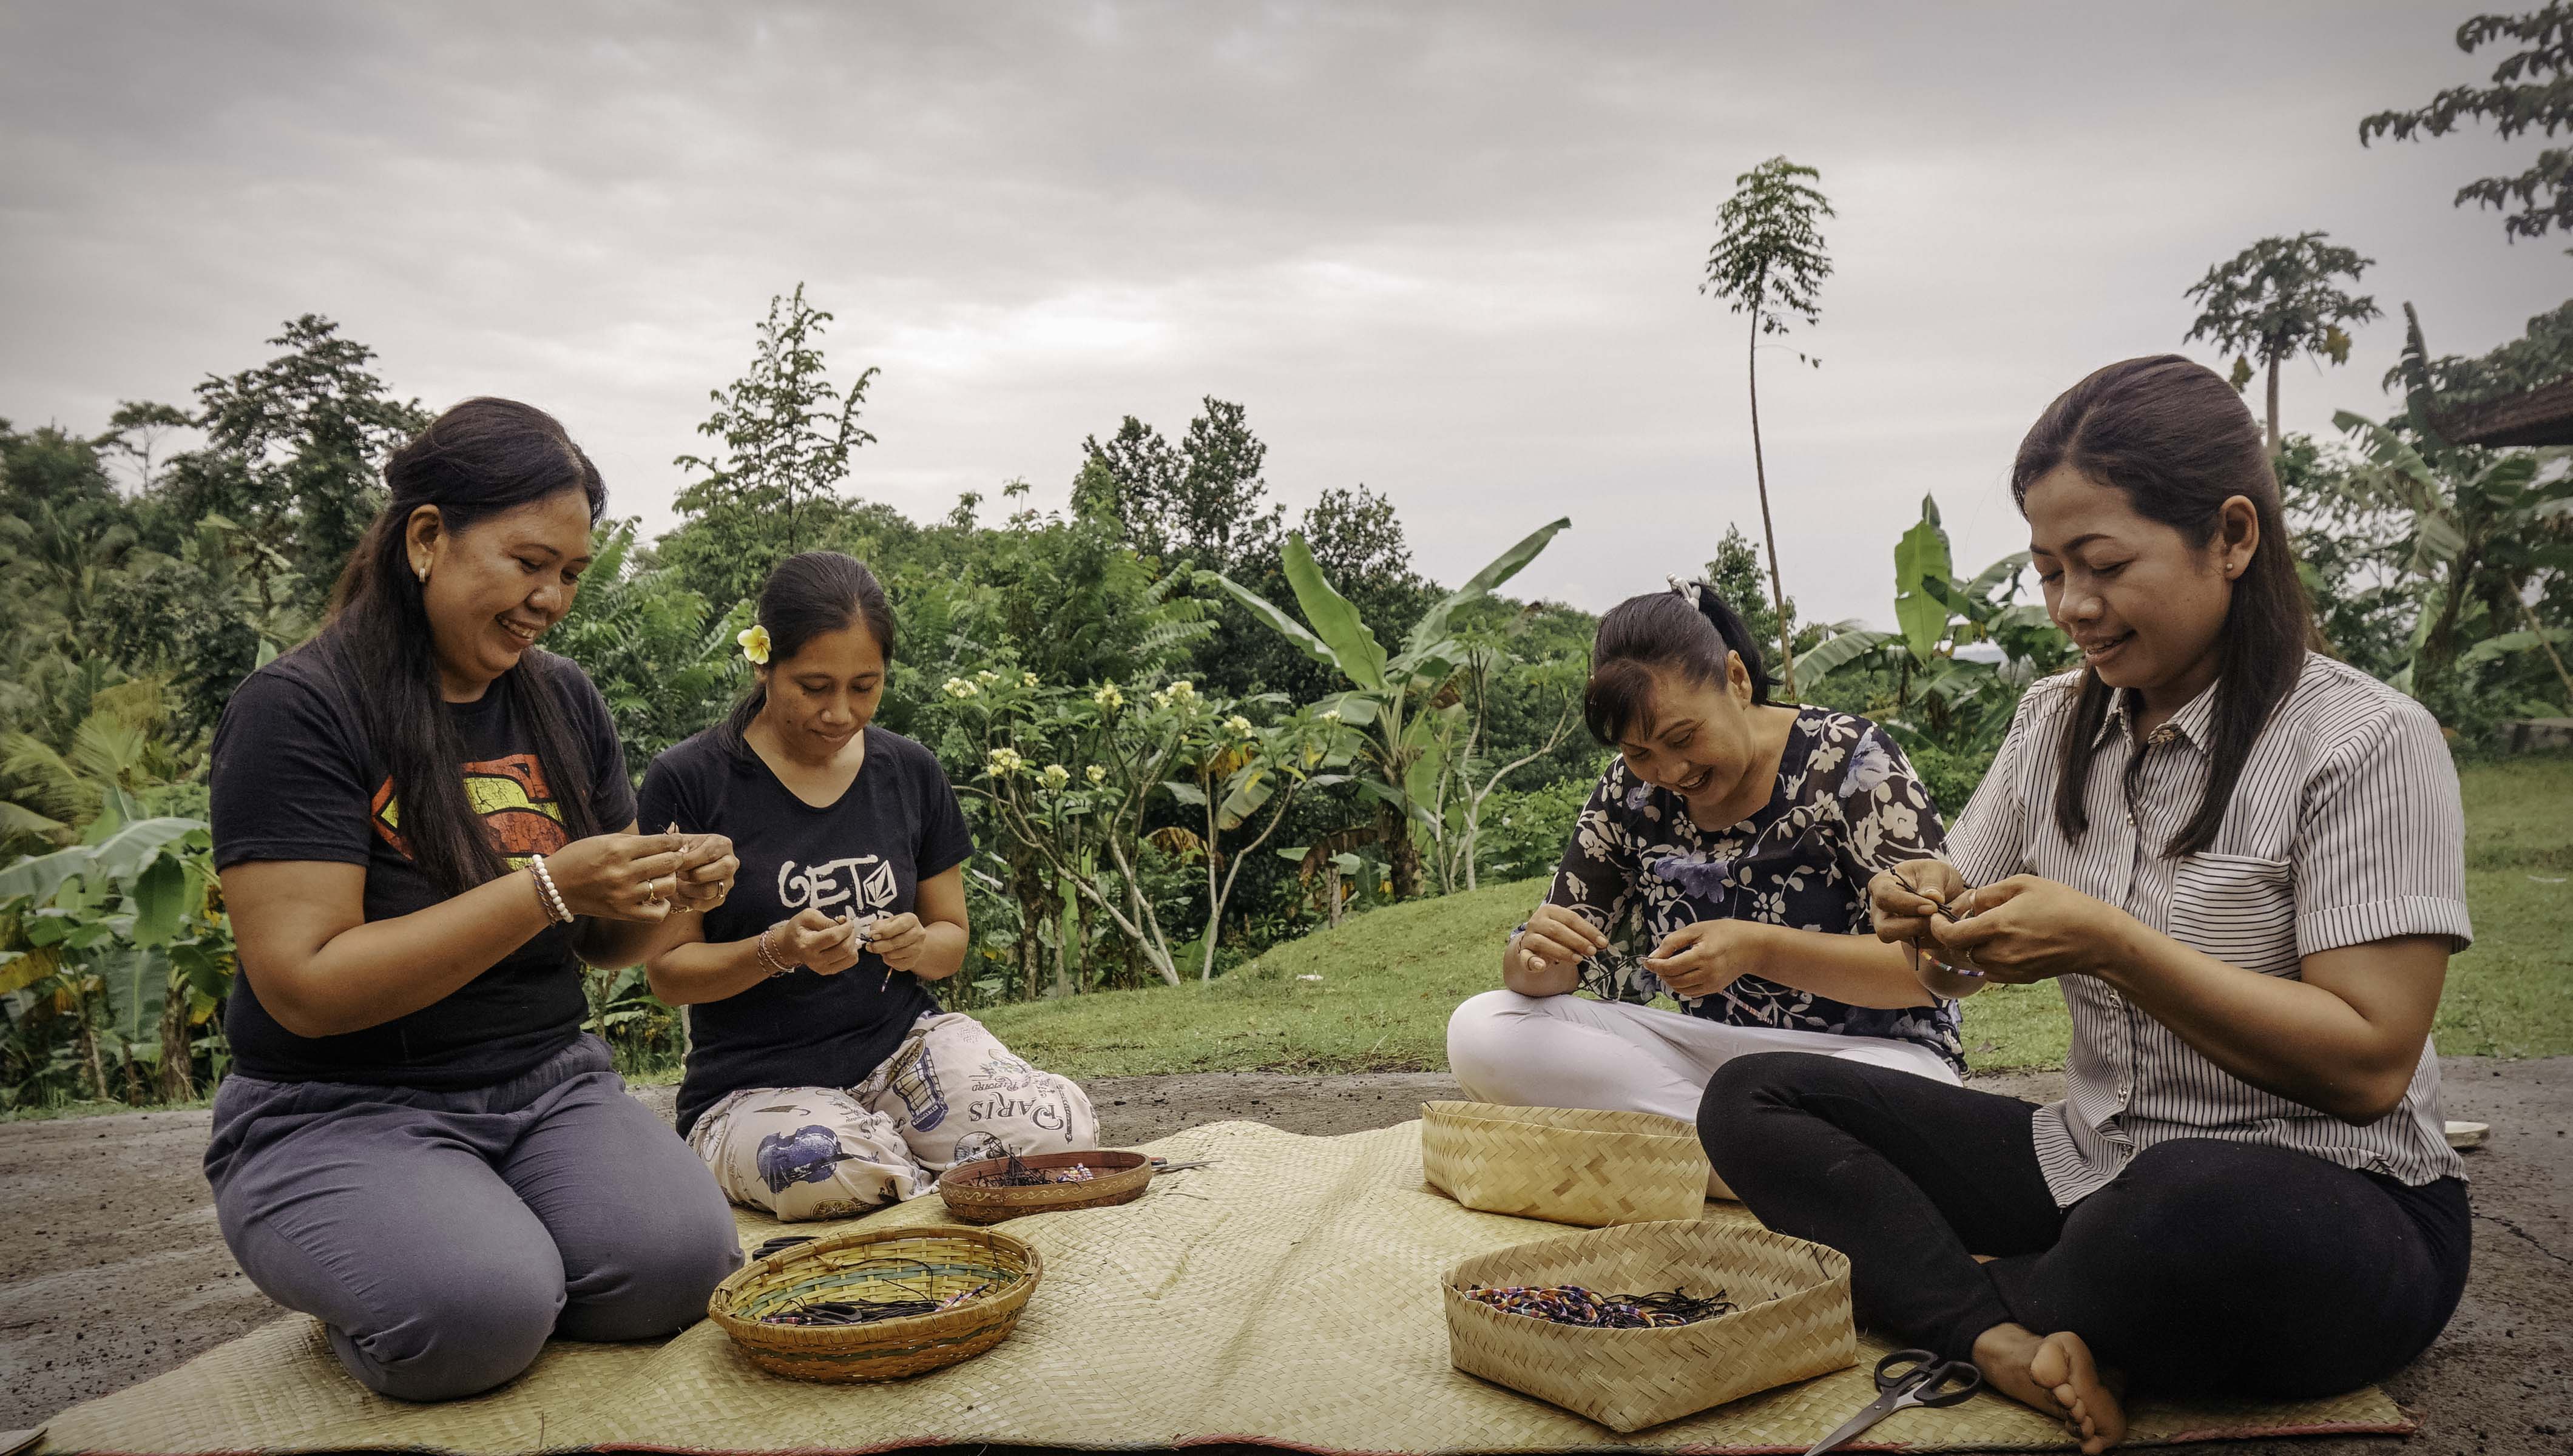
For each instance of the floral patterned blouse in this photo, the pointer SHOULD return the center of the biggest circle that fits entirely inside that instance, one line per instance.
(1846, 806)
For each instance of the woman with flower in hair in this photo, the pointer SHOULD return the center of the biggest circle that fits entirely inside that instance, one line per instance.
(1731, 842)
(822, 1077)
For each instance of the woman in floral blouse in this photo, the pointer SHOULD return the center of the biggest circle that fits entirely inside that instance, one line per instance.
(1733, 839)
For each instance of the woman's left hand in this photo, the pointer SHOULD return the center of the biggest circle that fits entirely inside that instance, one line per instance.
(1701, 959)
(706, 874)
(900, 939)
(2025, 929)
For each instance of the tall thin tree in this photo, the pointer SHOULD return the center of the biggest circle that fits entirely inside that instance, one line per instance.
(1768, 261)
(2276, 298)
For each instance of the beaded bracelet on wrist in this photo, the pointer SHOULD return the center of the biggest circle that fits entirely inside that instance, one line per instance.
(547, 894)
(769, 958)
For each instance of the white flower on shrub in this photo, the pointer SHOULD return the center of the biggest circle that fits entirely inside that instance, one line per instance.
(1108, 697)
(1005, 762)
(957, 687)
(1054, 777)
(1094, 774)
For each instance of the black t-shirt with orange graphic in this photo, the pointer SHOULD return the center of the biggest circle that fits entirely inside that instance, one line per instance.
(293, 777)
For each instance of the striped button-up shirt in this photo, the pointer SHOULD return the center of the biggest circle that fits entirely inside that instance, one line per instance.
(2344, 828)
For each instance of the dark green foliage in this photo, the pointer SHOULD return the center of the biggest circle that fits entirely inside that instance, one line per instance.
(2532, 91)
(787, 434)
(2278, 299)
(292, 454)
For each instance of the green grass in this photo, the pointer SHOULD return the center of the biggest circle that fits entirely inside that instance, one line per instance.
(1388, 979)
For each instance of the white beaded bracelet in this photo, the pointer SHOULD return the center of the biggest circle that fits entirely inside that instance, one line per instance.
(547, 894)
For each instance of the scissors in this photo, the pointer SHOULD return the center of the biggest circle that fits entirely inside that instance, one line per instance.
(1904, 1380)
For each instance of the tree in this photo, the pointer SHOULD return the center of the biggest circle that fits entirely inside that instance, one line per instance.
(1393, 704)
(294, 449)
(2485, 527)
(1200, 500)
(787, 434)
(2531, 90)
(1768, 261)
(2275, 300)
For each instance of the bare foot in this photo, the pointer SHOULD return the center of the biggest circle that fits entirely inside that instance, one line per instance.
(2054, 1374)
(2092, 1409)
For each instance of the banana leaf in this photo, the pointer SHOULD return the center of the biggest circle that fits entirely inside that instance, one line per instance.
(1354, 649)
(1920, 559)
(1836, 652)
(1426, 633)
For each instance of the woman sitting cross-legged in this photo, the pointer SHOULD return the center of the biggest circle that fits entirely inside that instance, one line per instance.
(1742, 835)
(2243, 864)
(423, 826)
(822, 1078)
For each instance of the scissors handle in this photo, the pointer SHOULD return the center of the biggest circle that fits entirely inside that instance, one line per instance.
(1919, 1377)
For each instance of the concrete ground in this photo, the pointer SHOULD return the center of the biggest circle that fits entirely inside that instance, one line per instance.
(112, 1271)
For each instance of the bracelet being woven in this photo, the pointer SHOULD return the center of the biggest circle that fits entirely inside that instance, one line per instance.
(547, 894)
(769, 958)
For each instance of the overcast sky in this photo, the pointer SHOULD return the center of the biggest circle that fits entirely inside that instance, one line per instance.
(1448, 252)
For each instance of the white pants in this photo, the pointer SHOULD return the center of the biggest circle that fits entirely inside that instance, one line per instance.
(1572, 1052)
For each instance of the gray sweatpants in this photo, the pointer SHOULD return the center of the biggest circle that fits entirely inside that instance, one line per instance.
(442, 1236)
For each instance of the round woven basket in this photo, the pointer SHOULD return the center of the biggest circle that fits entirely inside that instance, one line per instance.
(1794, 1320)
(885, 1264)
(1568, 1165)
(1121, 1179)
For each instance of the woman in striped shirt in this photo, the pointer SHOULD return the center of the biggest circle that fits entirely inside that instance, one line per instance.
(2243, 862)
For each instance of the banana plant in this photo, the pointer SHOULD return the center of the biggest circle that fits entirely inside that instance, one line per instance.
(2484, 522)
(126, 919)
(1391, 706)
(1960, 703)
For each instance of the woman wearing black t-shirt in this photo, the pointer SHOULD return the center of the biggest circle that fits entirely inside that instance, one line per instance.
(423, 826)
(822, 1078)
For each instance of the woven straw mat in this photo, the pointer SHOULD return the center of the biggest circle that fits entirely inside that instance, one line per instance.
(1288, 1295)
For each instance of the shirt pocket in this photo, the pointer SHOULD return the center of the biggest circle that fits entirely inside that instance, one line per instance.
(2241, 909)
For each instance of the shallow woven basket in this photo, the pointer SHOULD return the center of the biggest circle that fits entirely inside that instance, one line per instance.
(1794, 1322)
(1568, 1164)
(1122, 1178)
(886, 1264)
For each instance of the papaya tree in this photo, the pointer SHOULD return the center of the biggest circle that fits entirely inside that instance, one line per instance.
(1393, 703)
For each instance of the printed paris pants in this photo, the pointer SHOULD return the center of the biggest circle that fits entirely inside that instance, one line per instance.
(951, 1094)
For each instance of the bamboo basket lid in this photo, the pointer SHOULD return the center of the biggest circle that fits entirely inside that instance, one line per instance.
(1565, 1164)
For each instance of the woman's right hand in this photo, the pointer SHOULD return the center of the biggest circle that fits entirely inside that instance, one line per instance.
(1902, 899)
(1555, 938)
(619, 876)
(816, 942)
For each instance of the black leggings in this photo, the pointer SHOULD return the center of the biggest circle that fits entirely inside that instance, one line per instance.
(2207, 1267)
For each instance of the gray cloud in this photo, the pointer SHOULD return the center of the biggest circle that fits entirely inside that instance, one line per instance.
(1448, 251)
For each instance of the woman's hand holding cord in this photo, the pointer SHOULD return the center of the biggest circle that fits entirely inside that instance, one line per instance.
(1702, 959)
(2341, 1037)
(1905, 902)
(1544, 958)
(818, 940)
(624, 877)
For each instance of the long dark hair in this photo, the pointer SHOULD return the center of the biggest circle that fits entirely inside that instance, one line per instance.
(481, 459)
(1687, 629)
(806, 596)
(2176, 439)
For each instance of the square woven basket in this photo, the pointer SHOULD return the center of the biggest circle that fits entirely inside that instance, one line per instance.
(1794, 1322)
(1568, 1165)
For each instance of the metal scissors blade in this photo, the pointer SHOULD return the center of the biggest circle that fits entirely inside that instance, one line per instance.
(1904, 1380)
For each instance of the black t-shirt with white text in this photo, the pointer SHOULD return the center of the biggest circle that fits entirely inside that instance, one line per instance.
(897, 824)
(294, 777)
